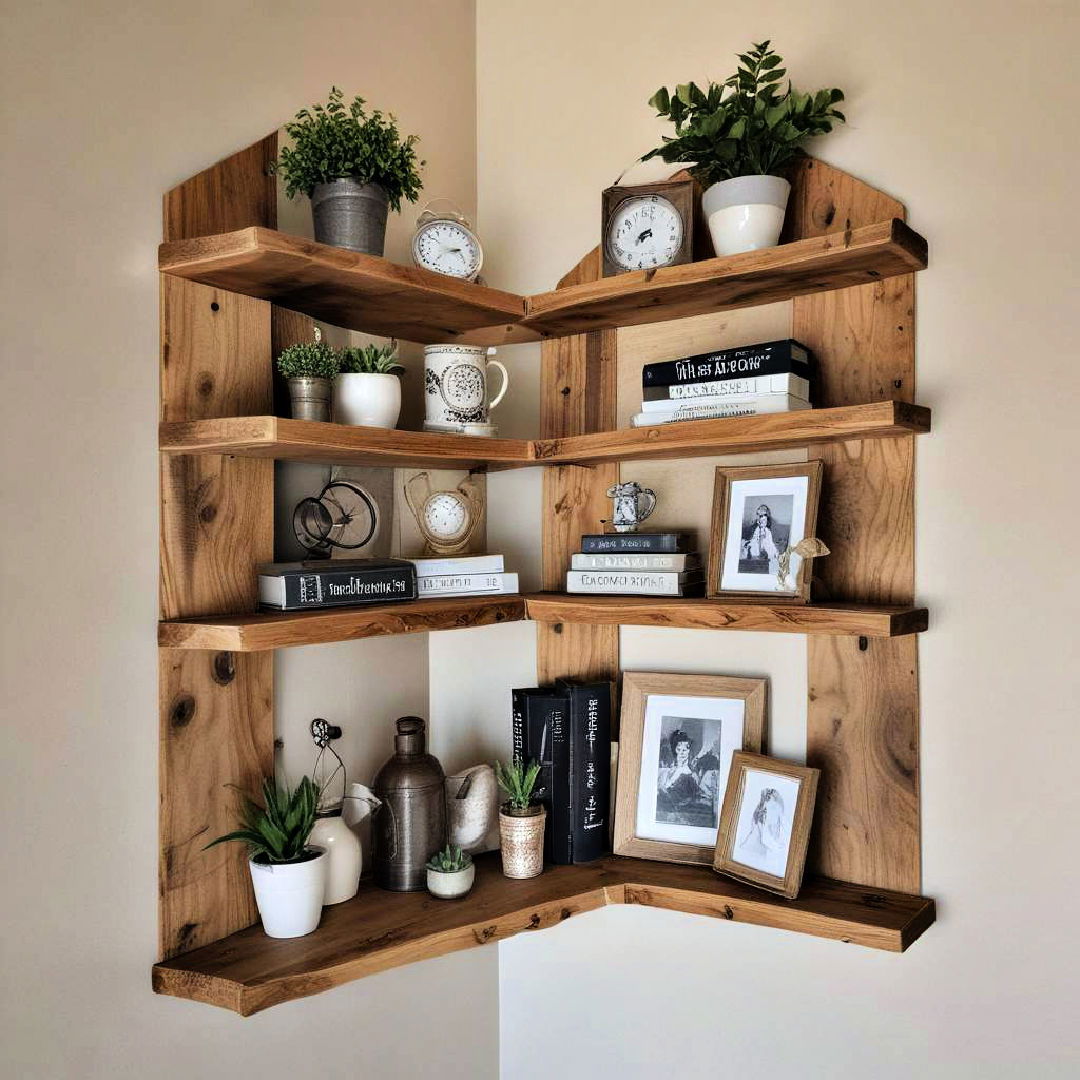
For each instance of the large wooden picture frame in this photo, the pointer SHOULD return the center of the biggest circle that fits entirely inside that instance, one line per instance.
(767, 814)
(676, 831)
(725, 497)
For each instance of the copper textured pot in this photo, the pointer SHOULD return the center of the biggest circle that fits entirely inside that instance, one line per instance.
(522, 837)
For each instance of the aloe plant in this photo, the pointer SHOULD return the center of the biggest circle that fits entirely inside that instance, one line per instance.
(370, 360)
(278, 831)
(450, 860)
(518, 781)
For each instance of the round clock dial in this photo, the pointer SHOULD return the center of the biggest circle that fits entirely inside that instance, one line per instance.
(447, 247)
(446, 516)
(644, 232)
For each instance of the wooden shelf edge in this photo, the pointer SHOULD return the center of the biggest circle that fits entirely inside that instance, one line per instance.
(694, 613)
(267, 630)
(248, 972)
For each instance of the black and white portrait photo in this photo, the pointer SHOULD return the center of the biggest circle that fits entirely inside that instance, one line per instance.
(688, 771)
(763, 832)
(766, 532)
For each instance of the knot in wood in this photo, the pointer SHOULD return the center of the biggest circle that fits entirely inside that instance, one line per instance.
(182, 712)
(224, 668)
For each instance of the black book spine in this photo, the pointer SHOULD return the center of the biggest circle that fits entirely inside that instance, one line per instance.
(590, 733)
(769, 358)
(325, 588)
(538, 718)
(665, 543)
(559, 823)
(517, 708)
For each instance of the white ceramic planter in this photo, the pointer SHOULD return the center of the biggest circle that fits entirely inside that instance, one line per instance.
(745, 213)
(451, 885)
(367, 399)
(290, 895)
(343, 856)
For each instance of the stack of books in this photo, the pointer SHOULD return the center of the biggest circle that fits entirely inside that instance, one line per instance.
(636, 564)
(775, 376)
(566, 729)
(321, 583)
(463, 575)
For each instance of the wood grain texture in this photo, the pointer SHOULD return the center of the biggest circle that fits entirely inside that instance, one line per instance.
(216, 709)
(692, 613)
(863, 715)
(378, 930)
(340, 444)
(346, 288)
(834, 260)
(282, 629)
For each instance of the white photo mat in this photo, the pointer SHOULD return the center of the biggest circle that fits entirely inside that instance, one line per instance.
(765, 845)
(759, 490)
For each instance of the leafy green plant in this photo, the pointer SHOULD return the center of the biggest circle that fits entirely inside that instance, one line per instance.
(745, 125)
(277, 832)
(450, 860)
(336, 141)
(309, 359)
(518, 780)
(371, 360)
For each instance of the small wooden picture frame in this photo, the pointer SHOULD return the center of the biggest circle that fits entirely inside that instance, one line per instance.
(765, 822)
(677, 736)
(683, 193)
(757, 514)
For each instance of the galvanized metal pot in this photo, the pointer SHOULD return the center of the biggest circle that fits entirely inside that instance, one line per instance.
(522, 843)
(350, 215)
(310, 398)
(410, 825)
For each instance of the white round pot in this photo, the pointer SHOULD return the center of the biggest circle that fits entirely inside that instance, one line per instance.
(451, 885)
(367, 399)
(344, 858)
(290, 895)
(746, 212)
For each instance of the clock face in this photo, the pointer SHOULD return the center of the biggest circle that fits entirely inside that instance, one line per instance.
(447, 248)
(445, 515)
(644, 232)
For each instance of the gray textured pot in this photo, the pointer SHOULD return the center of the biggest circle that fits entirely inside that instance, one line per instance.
(310, 398)
(350, 215)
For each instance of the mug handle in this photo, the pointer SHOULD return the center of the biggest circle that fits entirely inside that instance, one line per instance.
(649, 496)
(505, 385)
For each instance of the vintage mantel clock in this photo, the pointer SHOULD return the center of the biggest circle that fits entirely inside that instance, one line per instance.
(445, 243)
(650, 225)
(446, 518)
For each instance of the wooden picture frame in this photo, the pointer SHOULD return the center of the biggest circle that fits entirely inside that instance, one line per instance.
(750, 807)
(725, 493)
(684, 193)
(680, 831)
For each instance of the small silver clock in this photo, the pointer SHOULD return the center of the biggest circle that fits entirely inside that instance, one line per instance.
(445, 243)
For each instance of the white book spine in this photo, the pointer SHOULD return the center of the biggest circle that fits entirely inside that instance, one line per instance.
(460, 564)
(467, 584)
(627, 582)
(659, 562)
(756, 406)
(712, 393)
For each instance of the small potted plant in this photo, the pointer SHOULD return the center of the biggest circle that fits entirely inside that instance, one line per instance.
(739, 135)
(352, 165)
(288, 875)
(367, 390)
(521, 821)
(309, 368)
(450, 873)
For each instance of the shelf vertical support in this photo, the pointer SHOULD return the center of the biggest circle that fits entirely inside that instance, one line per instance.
(216, 708)
(863, 710)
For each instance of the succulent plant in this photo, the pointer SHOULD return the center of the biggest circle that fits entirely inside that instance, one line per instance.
(278, 831)
(450, 860)
(370, 360)
(518, 781)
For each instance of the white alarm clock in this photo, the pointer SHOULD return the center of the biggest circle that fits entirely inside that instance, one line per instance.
(644, 233)
(445, 243)
(446, 518)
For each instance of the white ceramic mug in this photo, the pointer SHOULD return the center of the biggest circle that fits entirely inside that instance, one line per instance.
(456, 385)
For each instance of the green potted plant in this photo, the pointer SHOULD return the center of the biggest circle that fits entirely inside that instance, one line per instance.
(309, 368)
(450, 873)
(288, 875)
(351, 164)
(367, 390)
(521, 820)
(738, 135)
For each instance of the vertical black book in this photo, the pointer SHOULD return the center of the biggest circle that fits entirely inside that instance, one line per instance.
(541, 729)
(590, 766)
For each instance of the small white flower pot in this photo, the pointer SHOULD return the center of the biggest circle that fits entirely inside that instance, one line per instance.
(367, 399)
(745, 213)
(451, 885)
(290, 895)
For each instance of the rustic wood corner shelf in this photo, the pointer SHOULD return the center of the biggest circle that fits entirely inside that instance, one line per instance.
(378, 930)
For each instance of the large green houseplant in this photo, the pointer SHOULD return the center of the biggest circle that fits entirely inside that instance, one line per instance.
(352, 164)
(736, 137)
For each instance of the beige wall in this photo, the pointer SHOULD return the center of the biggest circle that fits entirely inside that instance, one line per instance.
(965, 112)
(106, 105)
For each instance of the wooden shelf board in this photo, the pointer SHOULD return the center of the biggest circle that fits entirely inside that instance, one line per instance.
(282, 629)
(818, 264)
(738, 434)
(341, 444)
(851, 620)
(248, 972)
(360, 292)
